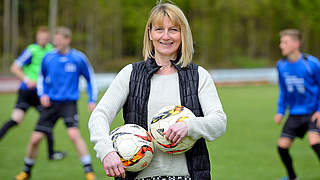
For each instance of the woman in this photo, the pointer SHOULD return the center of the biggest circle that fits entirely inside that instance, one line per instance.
(165, 77)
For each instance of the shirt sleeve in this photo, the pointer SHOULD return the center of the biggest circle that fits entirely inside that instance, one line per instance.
(106, 110)
(88, 73)
(24, 58)
(316, 70)
(214, 122)
(282, 103)
(41, 83)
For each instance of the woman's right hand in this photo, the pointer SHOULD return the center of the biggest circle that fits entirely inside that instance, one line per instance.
(113, 165)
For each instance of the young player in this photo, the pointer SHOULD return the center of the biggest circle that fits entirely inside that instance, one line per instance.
(26, 68)
(58, 90)
(299, 82)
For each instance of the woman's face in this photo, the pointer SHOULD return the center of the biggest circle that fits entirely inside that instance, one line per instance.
(166, 38)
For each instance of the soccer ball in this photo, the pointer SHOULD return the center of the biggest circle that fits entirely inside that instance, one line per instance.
(134, 146)
(161, 122)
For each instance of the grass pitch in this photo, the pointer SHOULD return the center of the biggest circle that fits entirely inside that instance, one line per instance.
(246, 151)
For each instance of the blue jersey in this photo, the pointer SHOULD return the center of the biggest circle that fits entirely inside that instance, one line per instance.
(299, 84)
(60, 73)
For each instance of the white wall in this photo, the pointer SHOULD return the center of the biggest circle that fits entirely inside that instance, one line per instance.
(268, 75)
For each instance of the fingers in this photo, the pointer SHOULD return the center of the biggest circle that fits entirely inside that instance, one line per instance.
(113, 165)
(119, 171)
(115, 171)
(176, 132)
(318, 123)
(315, 116)
(278, 118)
(31, 84)
(91, 106)
(45, 101)
(122, 172)
(175, 138)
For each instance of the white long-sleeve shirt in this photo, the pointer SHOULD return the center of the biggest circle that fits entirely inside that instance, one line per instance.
(164, 91)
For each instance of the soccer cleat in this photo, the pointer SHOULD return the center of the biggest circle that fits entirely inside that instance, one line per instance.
(90, 176)
(22, 176)
(287, 178)
(58, 155)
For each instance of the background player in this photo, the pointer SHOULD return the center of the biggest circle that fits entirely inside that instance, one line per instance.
(26, 68)
(299, 81)
(58, 90)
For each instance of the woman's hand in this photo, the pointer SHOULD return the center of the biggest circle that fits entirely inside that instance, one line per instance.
(113, 165)
(176, 132)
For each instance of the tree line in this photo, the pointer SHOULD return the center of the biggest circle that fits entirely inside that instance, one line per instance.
(227, 34)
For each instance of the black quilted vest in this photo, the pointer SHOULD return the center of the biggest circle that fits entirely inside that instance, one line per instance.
(136, 108)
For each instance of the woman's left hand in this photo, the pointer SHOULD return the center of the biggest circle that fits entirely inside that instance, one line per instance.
(176, 132)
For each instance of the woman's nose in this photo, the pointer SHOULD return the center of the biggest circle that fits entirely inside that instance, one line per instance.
(166, 34)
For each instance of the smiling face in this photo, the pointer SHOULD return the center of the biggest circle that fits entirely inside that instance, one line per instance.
(288, 45)
(166, 38)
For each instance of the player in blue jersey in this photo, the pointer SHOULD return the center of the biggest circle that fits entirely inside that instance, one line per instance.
(299, 82)
(26, 69)
(58, 91)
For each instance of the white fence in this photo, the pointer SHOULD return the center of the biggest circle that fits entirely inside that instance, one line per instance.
(269, 75)
(220, 76)
(230, 76)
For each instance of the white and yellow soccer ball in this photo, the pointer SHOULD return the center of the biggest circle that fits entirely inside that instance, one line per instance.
(134, 146)
(161, 122)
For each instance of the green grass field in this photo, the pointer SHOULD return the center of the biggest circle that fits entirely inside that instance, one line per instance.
(246, 151)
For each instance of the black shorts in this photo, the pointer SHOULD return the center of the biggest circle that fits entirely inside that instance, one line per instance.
(27, 98)
(298, 125)
(50, 115)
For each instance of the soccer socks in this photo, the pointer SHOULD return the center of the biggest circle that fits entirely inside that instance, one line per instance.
(28, 163)
(86, 162)
(50, 144)
(287, 161)
(316, 149)
(6, 126)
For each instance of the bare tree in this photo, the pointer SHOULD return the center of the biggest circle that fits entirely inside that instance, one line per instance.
(6, 36)
(53, 9)
(14, 28)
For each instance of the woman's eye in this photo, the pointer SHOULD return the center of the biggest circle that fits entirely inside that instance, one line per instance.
(158, 29)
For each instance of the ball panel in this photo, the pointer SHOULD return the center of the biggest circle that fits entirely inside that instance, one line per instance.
(134, 146)
(161, 122)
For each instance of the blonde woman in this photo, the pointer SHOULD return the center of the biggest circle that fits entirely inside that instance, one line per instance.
(165, 77)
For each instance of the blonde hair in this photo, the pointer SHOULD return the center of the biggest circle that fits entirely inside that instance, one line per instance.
(293, 33)
(177, 17)
(64, 31)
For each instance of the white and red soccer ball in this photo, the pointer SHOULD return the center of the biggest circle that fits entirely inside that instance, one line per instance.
(162, 120)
